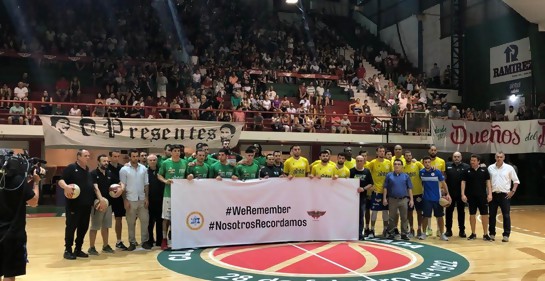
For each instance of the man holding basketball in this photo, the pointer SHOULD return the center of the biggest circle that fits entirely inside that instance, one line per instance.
(101, 215)
(78, 210)
(434, 184)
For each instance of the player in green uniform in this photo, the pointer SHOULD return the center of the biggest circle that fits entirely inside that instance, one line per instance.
(199, 169)
(248, 169)
(168, 154)
(223, 169)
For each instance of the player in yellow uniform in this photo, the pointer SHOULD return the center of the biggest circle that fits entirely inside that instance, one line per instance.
(379, 168)
(398, 154)
(324, 169)
(320, 161)
(437, 163)
(297, 165)
(412, 168)
(349, 161)
(341, 171)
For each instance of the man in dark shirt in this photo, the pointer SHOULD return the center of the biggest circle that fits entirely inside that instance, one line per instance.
(366, 182)
(278, 159)
(476, 190)
(453, 174)
(78, 210)
(270, 170)
(118, 208)
(155, 208)
(13, 238)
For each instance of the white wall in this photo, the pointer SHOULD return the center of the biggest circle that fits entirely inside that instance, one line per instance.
(436, 50)
(408, 28)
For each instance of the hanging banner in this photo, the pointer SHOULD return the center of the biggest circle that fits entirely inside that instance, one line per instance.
(101, 132)
(208, 212)
(510, 61)
(489, 137)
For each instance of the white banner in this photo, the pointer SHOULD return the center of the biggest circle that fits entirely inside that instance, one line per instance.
(208, 212)
(489, 137)
(510, 61)
(101, 132)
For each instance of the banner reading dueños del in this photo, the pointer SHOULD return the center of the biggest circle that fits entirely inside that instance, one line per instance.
(102, 132)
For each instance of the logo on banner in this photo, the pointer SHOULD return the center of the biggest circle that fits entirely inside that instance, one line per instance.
(511, 53)
(315, 215)
(373, 259)
(194, 221)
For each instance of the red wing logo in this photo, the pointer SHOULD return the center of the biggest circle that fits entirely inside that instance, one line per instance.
(316, 214)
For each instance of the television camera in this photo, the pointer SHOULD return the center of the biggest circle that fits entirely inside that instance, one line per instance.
(22, 164)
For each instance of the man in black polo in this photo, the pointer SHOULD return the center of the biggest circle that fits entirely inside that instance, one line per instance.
(366, 183)
(453, 174)
(477, 192)
(78, 210)
(117, 203)
(270, 170)
(155, 208)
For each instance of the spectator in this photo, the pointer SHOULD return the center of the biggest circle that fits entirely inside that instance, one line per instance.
(17, 113)
(335, 123)
(62, 87)
(258, 122)
(30, 113)
(162, 83)
(5, 94)
(328, 98)
(74, 111)
(454, 113)
(75, 88)
(511, 114)
(366, 108)
(394, 113)
(345, 125)
(45, 108)
(112, 100)
(20, 91)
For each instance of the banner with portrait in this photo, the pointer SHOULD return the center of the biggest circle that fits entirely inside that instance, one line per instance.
(103, 132)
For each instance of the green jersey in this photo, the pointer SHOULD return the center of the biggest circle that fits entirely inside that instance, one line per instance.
(172, 170)
(247, 172)
(224, 171)
(201, 172)
(261, 160)
(208, 160)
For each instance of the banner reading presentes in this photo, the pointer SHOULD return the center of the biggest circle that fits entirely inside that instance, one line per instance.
(70, 131)
(489, 137)
(510, 61)
(208, 212)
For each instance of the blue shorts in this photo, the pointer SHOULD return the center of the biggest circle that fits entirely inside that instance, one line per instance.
(368, 203)
(429, 206)
(417, 203)
(376, 202)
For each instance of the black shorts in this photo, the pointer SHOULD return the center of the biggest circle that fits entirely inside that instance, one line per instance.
(13, 257)
(117, 207)
(477, 202)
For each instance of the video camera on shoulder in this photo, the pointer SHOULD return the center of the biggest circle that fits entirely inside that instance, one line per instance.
(12, 164)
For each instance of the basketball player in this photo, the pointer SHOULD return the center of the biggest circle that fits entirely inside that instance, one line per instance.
(434, 184)
(379, 168)
(341, 171)
(439, 164)
(324, 169)
(297, 165)
(412, 168)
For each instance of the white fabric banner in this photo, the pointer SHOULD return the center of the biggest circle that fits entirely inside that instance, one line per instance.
(102, 132)
(208, 212)
(489, 137)
(510, 61)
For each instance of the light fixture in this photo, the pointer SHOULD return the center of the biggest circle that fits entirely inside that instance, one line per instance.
(513, 98)
(292, 1)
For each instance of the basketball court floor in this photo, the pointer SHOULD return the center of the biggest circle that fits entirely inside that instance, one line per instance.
(523, 258)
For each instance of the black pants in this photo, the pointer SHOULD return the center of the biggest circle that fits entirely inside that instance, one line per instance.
(361, 215)
(155, 221)
(498, 199)
(77, 219)
(460, 207)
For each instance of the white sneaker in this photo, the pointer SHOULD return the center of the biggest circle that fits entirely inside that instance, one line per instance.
(422, 236)
(444, 237)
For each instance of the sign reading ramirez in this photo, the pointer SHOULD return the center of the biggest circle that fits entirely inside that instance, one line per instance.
(71, 131)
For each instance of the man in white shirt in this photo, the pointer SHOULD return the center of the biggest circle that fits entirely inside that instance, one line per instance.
(20, 91)
(511, 114)
(112, 100)
(501, 176)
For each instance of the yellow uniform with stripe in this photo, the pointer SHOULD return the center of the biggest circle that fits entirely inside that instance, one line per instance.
(379, 170)
(324, 171)
(412, 169)
(297, 167)
(342, 172)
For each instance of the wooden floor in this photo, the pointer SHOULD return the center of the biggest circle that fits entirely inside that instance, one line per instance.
(523, 258)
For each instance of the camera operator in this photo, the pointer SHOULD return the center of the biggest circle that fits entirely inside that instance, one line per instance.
(15, 193)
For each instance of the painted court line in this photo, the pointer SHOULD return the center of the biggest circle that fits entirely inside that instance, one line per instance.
(501, 228)
(332, 262)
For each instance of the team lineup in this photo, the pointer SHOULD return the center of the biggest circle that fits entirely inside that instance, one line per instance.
(394, 185)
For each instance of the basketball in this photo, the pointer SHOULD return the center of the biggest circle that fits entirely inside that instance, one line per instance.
(444, 202)
(113, 190)
(77, 190)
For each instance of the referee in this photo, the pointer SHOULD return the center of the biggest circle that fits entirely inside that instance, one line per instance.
(477, 192)
(270, 170)
(453, 177)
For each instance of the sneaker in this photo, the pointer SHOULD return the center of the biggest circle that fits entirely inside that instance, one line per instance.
(361, 238)
(371, 234)
(472, 236)
(366, 232)
(462, 234)
(418, 233)
(384, 233)
(80, 254)
(444, 237)
(422, 236)
(505, 239)
(411, 233)
(92, 251)
(493, 237)
(107, 249)
(448, 233)
(69, 255)
(405, 237)
(487, 238)
(164, 244)
(147, 245)
(429, 231)
(396, 231)
(390, 236)
(121, 246)
(132, 247)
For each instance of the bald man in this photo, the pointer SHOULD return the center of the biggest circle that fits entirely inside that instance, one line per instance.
(454, 173)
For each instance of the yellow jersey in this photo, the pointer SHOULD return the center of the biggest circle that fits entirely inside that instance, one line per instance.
(324, 171)
(379, 170)
(402, 158)
(342, 172)
(412, 169)
(350, 164)
(318, 162)
(439, 164)
(297, 167)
